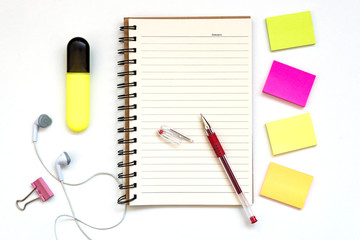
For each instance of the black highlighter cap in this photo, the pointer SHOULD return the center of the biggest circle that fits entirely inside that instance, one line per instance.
(78, 55)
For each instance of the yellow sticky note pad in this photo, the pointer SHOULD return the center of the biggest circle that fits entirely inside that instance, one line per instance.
(291, 30)
(290, 134)
(286, 185)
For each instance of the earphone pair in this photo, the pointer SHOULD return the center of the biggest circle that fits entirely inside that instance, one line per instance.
(64, 159)
(44, 121)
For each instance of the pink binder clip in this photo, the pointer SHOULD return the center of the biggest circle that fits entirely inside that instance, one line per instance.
(41, 188)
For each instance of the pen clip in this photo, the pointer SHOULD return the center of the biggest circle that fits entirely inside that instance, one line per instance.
(171, 135)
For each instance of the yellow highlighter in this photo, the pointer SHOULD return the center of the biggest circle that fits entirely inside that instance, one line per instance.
(78, 84)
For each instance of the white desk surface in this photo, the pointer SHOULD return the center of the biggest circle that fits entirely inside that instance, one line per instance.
(33, 39)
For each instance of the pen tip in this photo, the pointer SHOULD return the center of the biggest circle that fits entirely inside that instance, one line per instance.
(202, 118)
(205, 122)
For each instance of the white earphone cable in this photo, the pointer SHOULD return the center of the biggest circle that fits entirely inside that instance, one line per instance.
(77, 221)
(73, 213)
(72, 184)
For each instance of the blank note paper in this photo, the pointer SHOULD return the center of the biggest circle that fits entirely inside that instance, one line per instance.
(286, 185)
(186, 67)
(291, 30)
(290, 134)
(288, 83)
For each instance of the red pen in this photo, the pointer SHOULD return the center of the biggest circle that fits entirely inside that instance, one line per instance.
(220, 153)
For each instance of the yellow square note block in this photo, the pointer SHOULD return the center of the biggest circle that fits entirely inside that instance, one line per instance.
(290, 134)
(286, 185)
(291, 30)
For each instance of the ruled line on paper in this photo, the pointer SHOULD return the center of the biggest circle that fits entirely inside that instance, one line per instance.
(197, 50)
(202, 65)
(208, 57)
(191, 43)
(191, 150)
(151, 121)
(192, 114)
(192, 171)
(197, 93)
(191, 128)
(187, 157)
(192, 121)
(191, 192)
(202, 135)
(184, 36)
(185, 164)
(195, 71)
(201, 143)
(190, 185)
(191, 79)
(190, 86)
(194, 185)
(192, 100)
(187, 178)
(174, 107)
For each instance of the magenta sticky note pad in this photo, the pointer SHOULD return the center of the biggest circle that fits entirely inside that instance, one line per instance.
(289, 83)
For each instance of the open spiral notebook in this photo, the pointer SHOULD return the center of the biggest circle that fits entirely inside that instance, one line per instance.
(175, 69)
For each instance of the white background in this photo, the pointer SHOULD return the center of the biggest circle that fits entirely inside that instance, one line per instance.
(33, 40)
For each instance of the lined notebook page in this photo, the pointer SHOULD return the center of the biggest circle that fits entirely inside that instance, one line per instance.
(186, 67)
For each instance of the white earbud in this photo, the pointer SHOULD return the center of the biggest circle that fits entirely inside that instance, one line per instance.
(42, 121)
(62, 160)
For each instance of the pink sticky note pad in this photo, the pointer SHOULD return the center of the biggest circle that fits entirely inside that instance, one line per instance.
(289, 83)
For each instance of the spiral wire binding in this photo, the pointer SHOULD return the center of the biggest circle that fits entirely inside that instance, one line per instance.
(124, 141)
(123, 85)
(125, 152)
(123, 164)
(130, 61)
(127, 39)
(123, 96)
(127, 107)
(122, 186)
(124, 198)
(129, 175)
(131, 118)
(123, 130)
(127, 50)
(122, 28)
(123, 74)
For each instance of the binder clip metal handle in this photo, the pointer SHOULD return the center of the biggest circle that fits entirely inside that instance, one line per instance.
(41, 188)
(19, 201)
